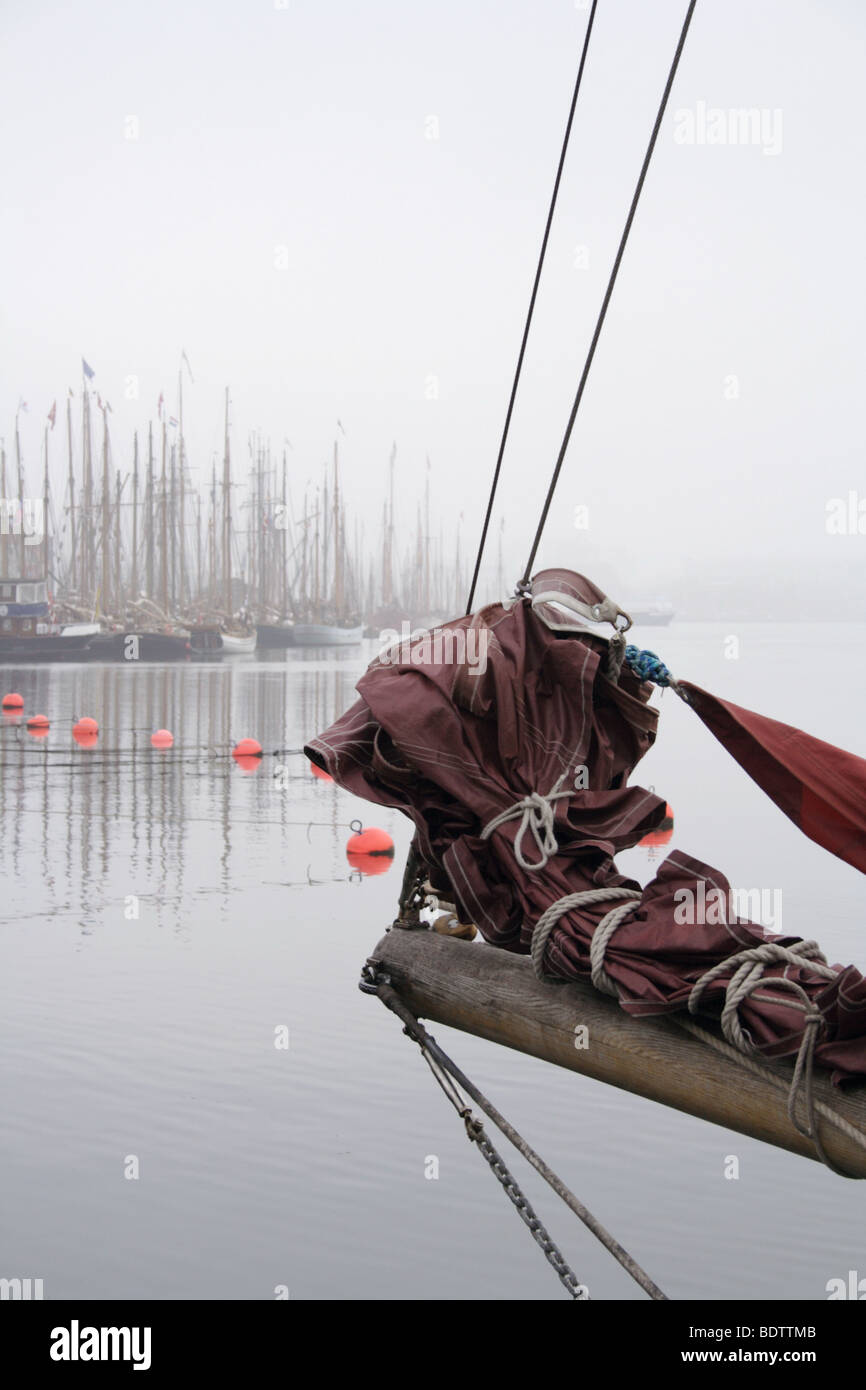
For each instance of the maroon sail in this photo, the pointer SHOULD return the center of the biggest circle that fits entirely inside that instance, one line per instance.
(822, 789)
(509, 739)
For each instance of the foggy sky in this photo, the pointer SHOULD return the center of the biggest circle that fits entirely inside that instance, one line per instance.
(284, 215)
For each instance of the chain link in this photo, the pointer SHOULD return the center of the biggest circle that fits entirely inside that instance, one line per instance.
(475, 1130)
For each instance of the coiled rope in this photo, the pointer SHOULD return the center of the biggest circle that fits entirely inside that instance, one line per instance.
(747, 976)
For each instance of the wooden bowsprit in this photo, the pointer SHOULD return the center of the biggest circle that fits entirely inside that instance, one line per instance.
(495, 995)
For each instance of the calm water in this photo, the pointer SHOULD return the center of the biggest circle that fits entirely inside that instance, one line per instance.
(164, 913)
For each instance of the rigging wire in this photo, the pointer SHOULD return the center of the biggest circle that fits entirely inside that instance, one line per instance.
(482, 542)
(609, 291)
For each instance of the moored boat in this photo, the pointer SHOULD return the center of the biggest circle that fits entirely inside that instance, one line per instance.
(239, 643)
(205, 641)
(326, 635)
(128, 645)
(275, 636)
(28, 629)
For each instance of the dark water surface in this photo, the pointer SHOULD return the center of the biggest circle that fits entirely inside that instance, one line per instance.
(164, 914)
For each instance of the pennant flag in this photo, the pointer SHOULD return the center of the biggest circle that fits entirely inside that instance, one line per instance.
(108, 406)
(184, 358)
(22, 404)
(160, 404)
(172, 422)
(71, 393)
(340, 423)
(99, 400)
(87, 369)
(52, 414)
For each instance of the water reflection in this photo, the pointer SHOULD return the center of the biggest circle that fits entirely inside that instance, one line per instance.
(89, 826)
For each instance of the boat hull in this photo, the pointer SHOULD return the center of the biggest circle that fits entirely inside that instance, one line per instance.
(205, 641)
(274, 635)
(238, 646)
(324, 635)
(51, 647)
(138, 646)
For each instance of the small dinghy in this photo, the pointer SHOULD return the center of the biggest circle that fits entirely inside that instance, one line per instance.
(238, 643)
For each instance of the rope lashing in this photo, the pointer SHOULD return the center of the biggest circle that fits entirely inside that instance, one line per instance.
(648, 666)
(537, 816)
(601, 936)
(748, 977)
(616, 650)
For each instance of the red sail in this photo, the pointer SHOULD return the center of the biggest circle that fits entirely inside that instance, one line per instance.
(822, 789)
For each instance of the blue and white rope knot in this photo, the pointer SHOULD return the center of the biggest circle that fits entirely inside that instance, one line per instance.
(648, 666)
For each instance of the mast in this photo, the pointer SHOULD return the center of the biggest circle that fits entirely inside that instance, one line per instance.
(212, 596)
(227, 518)
(198, 568)
(305, 590)
(22, 552)
(86, 514)
(4, 536)
(106, 507)
(45, 511)
(134, 575)
(119, 600)
(182, 493)
(260, 526)
(73, 577)
(151, 518)
(338, 550)
(326, 539)
(284, 575)
(173, 530)
(163, 549)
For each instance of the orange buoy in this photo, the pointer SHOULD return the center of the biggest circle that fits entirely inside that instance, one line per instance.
(13, 700)
(37, 721)
(663, 833)
(162, 738)
(370, 864)
(37, 730)
(370, 851)
(86, 726)
(248, 762)
(85, 738)
(320, 772)
(247, 748)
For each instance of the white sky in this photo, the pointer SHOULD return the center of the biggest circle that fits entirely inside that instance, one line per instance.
(305, 127)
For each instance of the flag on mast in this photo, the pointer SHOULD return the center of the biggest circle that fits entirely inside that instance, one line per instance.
(184, 358)
(87, 369)
(52, 414)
